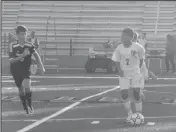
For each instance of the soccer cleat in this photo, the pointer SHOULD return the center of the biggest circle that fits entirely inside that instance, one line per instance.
(27, 110)
(128, 119)
(31, 109)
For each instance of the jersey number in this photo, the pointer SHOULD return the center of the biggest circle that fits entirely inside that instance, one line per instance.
(127, 61)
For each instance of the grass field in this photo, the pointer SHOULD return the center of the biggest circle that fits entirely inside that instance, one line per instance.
(86, 103)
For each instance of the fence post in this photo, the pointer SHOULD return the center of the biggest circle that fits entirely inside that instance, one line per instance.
(71, 48)
(9, 38)
(5, 44)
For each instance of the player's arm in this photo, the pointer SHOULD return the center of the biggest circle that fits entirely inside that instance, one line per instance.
(141, 55)
(38, 58)
(37, 43)
(13, 59)
(116, 59)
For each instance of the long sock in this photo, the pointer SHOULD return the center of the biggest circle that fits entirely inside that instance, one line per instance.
(127, 105)
(29, 98)
(23, 101)
(138, 106)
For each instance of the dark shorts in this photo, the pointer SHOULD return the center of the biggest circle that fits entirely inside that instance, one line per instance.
(19, 76)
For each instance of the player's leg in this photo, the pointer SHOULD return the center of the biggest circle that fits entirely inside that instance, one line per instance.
(33, 65)
(137, 85)
(138, 100)
(18, 82)
(124, 86)
(28, 92)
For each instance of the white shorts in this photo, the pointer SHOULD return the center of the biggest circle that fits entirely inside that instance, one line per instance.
(144, 71)
(136, 81)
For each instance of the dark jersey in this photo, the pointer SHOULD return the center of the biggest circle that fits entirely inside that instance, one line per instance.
(16, 50)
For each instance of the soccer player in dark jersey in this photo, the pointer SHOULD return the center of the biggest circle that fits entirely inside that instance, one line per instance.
(20, 60)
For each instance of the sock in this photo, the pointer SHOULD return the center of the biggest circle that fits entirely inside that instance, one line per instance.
(127, 106)
(138, 106)
(23, 101)
(29, 98)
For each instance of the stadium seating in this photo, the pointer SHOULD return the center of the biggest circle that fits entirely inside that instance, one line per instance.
(87, 23)
(165, 22)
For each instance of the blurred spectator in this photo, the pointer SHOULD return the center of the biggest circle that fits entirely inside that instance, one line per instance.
(33, 39)
(170, 52)
(142, 40)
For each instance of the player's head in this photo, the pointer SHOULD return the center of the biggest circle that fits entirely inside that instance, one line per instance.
(33, 34)
(127, 36)
(135, 38)
(21, 32)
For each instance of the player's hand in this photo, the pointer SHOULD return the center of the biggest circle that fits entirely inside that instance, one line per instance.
(121, 73)
(26, 52)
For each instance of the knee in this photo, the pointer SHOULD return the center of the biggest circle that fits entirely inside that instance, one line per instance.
(21, 91)
(26, 83)
(124, 95)
(137, 94)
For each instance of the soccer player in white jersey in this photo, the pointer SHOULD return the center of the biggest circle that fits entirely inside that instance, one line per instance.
(129, 59)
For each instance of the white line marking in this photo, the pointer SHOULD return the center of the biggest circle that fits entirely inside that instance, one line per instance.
(89, 77)
(95, 122)
(4, 97)
(83, 119)
(69, 77)
(12, 81)
(37, 123)
(41, 89)
(48, 88)
(53, 109)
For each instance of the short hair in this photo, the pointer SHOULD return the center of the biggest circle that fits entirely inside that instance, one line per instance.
(129, 31)
(21, 28)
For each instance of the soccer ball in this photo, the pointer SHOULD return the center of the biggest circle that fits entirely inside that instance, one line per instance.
(136, 119)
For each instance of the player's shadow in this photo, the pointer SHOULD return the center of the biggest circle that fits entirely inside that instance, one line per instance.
(158, 97)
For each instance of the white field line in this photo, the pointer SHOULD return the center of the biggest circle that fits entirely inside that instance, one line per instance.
(53, 109)
(88, 77)
(15, 90)
(77, 77)
(12, 81)
(84, 119)
(6, 90)
(43, 120)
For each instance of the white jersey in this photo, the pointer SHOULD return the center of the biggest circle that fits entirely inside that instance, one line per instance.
(129, 58)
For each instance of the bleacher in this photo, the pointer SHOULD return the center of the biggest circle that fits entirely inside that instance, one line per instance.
(165, 23)
(85, 24)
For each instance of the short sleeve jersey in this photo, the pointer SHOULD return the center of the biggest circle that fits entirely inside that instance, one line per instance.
(129, 58)
(15, 50)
